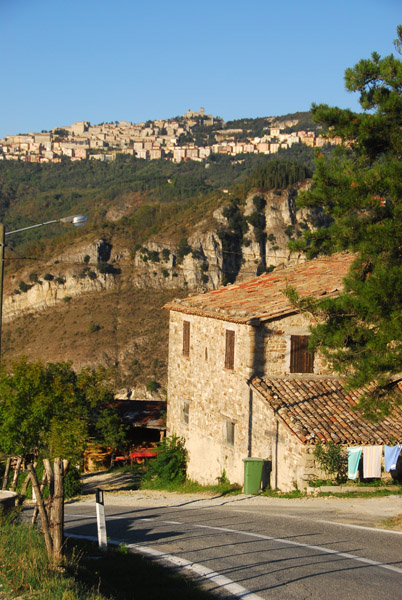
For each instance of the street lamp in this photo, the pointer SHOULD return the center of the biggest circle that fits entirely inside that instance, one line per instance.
(76, 220)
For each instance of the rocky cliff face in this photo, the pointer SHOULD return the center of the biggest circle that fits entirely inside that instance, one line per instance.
(205, 261)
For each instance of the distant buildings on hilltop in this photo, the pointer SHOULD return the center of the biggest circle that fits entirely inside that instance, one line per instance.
(171, 139)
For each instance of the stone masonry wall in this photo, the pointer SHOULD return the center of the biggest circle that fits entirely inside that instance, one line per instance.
(274, 346)
(200, 387)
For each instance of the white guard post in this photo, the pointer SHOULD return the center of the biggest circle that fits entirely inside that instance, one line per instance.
(100, 518)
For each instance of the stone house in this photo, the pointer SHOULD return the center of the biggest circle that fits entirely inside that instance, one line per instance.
(242, 383)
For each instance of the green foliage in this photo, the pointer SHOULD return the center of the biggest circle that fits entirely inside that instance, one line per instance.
(106, 268)
(72, 482)
(231, 237)
(48, 277)
(24, 287)
(277, 174)
(49, 410)
(183, 249)
(171, 463)
(93, 327)
(33, 277)
(333, 460)
(86, 259)
(153, 386)
(359, 188)
(165, 254)
(60, 280)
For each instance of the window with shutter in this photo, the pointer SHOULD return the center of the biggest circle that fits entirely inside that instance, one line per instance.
(301, 360)
(229, 349)
(185, 414)
(186, 338)
(229, 432)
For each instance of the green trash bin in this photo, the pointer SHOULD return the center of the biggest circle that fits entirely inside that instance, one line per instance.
(253, 468)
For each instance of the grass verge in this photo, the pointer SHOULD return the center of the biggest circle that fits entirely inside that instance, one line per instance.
(393, 522)
(88, 574)
(375, 493)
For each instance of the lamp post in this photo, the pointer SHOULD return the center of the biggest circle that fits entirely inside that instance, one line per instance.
(77, 220)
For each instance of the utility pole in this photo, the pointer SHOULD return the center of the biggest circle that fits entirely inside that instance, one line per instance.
(2, 246)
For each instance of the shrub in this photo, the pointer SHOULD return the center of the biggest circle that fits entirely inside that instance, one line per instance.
(332, 459)
(60, 280)
(106, 268)
(93, 327)
(165, 273)
(72, 483)
(183, 249)
(165, 254)
(86, 259)
(33, 277)
(24, 287)
(48, 277)
(170, 465)
(92, 275)
(153, 386)
(66, 298)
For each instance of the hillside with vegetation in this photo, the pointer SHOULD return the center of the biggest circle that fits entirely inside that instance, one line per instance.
(156, 230)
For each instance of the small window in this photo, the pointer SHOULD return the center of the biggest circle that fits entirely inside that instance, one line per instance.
(185, 412)
(229, 349)
(301, 360)
(229, 432)
(186, 338)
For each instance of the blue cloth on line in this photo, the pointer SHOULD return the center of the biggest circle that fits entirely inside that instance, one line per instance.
(391, 454)
(354, 454)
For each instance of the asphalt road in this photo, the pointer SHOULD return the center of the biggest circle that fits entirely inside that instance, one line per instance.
(260, 551)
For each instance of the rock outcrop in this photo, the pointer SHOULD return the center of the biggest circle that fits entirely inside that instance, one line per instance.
(202, 262)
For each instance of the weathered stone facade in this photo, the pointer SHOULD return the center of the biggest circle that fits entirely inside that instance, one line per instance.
(205, 399)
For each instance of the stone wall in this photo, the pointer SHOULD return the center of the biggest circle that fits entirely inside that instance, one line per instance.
(204, 396)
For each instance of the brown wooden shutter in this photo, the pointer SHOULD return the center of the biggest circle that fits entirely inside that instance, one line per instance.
(186, 338)
(229, 349)
(301, 360)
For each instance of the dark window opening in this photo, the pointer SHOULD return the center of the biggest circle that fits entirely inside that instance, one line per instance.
(229, 349)
(185, 415)
(301, 360)
(186, 338)
(229, 427)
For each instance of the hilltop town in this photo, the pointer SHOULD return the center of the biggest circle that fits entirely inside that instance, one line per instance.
(194, 136)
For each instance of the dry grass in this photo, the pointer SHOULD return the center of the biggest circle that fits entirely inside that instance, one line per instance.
(393, 523)
(125, 329)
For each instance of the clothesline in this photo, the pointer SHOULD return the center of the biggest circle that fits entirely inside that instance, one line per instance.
(372, 456)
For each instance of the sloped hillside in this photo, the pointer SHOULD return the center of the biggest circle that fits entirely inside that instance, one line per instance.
(95, 296)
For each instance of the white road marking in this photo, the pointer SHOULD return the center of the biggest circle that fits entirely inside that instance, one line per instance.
(261, 536)
(223, 582)
(301, 545)
(303, 518)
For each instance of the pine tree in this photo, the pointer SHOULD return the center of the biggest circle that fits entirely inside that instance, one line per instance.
(359, 187)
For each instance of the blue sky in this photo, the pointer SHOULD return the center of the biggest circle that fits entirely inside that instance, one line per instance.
(105, 60)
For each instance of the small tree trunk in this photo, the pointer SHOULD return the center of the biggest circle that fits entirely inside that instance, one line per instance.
(16, 473)
(21, 496)
(50, 480)
(42, 512)
(42, 487)
(58, 503)
(6, 472)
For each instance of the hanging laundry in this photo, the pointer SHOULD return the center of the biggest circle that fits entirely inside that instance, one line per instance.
(391, 454)
(372, 461)
(354, 454)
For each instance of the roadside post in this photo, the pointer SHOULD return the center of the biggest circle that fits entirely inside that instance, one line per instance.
(100, 519)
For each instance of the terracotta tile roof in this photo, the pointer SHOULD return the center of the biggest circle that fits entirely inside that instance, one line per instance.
(142, 413)
(262, 297)
(319, 408)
